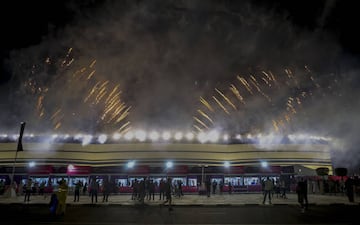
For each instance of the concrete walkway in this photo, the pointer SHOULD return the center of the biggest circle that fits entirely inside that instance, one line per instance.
(193, 199)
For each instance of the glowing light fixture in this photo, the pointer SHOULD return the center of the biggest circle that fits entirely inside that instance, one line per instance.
(140, 135)
(71, 167)
(189, 136)
(116, 136)
(213, 136)
(129, 135)
(130, 164)
(166, 135)
(202, 137)
(154, 136)
(264, 164)
(169, 164)
(86, 139)
(178, 136)
(102, 138)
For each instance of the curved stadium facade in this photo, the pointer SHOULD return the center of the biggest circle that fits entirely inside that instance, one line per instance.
(247, 163)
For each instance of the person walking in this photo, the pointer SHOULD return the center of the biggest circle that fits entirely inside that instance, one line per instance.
(214, 185)
(53, 204)
(301, 190)
(151, 190)
(221, 187)
(283, 189)
(349, 187)
(229, 187)
(62, 194)
(168, 192)
(94, 188)
(77, 191)
(162, 189)
(85, 188)
(106, 190)
(28, 189)
(268, 188)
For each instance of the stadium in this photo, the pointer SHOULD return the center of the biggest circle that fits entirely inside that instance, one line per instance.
(234, 130)
(241, 160)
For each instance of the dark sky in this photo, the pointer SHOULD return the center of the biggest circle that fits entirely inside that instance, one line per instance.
(166, 55)
(27, 23)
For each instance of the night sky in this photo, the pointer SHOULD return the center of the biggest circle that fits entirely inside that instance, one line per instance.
(295, 64)
(26, 23)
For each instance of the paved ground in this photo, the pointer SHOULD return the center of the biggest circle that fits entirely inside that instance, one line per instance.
(194, 199)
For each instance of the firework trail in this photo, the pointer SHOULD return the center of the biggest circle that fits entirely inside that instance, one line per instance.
(226, 99)
(267, 98)
(236, 92)
(85, 95)
(200, 122)
(204, 102)
(205, 115)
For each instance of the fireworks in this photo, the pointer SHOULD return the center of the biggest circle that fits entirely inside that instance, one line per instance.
(81, 95)
(257, 100)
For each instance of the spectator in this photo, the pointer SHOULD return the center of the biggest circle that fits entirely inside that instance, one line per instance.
(301, 190)
(62, 194)
(94, 188)
(28, 189)
(77, 191)
(268, 187)
(168, 192)
(106, 190)
(349, 187)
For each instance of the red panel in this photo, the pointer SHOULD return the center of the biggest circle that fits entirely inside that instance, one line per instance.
(78, 170)
(234, 170)
(178, 170)
(271, 169)
(139, 170)
(41, 169)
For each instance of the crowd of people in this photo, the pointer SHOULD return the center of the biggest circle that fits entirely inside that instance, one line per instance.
(146, 189)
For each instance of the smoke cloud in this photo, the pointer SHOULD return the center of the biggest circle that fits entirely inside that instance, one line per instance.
(165, 55)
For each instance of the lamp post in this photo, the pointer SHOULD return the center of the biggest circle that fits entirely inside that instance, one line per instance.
(202, 187)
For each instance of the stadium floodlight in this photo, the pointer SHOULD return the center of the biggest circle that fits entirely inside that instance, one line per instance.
(178, 136)
(78, 136)
(213, 136)
(15, 137)
(226, 164)
(140, 135)
(166, 135)
(129, 135)
(130, 164)
(86, 139)
(154, 136)
(189, 136)
(202, 137)
(169, 164)
(32, 164)
(264, 164)
(70, 167)
(102, 138)
(116, 136)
